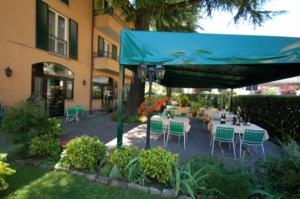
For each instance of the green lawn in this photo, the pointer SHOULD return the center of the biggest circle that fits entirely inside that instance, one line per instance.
(33, 183)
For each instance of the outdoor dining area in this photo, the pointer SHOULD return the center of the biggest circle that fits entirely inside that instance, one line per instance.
(187, 60)
(222, 127)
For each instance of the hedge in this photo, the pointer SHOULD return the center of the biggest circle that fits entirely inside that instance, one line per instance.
(279, 115)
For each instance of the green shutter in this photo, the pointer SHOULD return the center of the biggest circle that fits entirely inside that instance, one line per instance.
(73, 39)
(41, 25)
(100, 46)
(66, 1)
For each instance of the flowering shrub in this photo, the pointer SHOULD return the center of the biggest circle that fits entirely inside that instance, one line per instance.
(156, 164)
(153, 104)
(288, 89)
(4, 171)
(83, 153)
(44, 146)
(122, 156)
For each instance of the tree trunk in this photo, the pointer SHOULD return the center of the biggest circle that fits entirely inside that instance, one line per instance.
(137, 87)
(169, 92)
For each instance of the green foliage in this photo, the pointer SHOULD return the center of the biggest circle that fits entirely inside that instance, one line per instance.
(122, 156)
(28, 120)
(83, 153)
(183, 100)
(281, 176)
(232, 185)
(279, 115)
(134, 173)
(25, 121)
(45, 146)
(5, 170)
(156, 164)
(55, 126)
(205, 177)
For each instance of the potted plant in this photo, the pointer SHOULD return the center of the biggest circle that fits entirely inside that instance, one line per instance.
(183, 99)
(195, 108)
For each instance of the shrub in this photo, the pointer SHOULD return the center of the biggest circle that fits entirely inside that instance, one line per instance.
(83, 153)
(156, 164)
(232, 185)
(24, 121)
(122, 156)
(4, 171)
(183, 100)
(28, 120)
(281, 176)
(44, 146)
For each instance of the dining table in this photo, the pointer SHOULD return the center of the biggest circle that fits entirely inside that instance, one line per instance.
(239, 130)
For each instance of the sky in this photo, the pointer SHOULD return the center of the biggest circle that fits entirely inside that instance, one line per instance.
(283, 25)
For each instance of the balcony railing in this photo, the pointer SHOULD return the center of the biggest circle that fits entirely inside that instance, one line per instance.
(57, 45)
(107, 54)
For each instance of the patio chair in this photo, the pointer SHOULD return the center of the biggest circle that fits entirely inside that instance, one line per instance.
(157, 127)
(72, 114)
(223, 134)
(177, 129)
(254, 138)
(216, 119)
(80, 110)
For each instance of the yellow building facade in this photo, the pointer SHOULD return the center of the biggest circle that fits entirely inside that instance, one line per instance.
(61, 51)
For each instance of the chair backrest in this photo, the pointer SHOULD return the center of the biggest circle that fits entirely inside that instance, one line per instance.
(156, 126)
(253, 136)
(216, 119)
(176, 127)
(224, 133)
(71, 111)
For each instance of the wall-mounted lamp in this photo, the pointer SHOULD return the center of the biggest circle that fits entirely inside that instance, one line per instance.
(8, 72)
(83, 82)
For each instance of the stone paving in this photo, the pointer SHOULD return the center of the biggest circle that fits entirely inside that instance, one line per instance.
(100, 125)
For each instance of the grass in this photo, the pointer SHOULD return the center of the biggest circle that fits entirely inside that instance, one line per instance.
(34, 183)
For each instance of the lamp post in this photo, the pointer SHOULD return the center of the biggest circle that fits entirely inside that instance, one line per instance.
(151, 74)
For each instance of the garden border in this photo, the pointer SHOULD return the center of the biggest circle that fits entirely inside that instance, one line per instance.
(108, 181)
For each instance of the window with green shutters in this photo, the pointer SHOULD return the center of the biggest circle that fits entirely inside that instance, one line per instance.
(73, 39)
(51, 31)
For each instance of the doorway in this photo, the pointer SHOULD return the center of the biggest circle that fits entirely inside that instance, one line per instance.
(54, 83)
(55, 97)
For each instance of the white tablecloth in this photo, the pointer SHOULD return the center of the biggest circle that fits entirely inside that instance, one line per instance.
(166, 121)
(212, 126)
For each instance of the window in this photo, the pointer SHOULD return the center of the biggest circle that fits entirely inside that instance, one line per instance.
(106, 49)
(69, 89)
(114, 52)
(97, 91)
(57, 29)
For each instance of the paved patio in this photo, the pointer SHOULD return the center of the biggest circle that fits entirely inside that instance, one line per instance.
(100, 125)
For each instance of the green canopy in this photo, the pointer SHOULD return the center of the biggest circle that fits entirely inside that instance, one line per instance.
(212, 60)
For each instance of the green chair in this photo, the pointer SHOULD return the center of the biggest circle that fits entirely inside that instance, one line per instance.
(216, 119)
(80, 110)
(157, 128)
(177, 129)
(223, 134)
(254, 138)
(72, 114)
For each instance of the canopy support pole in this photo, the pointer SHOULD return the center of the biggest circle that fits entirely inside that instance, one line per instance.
(231, 98)
(120, 106)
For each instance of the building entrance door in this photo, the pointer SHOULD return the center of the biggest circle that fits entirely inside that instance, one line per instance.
(55, 97)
